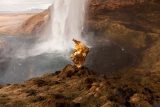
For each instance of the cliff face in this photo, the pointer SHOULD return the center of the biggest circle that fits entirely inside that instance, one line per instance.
(135, 28)
(34, 24)
(113, 4)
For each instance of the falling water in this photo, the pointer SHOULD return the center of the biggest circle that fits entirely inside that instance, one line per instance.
(67, 20)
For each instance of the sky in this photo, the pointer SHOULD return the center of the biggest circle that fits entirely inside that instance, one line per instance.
(23, 5)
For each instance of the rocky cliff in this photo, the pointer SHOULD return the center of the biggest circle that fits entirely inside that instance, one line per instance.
(134, 28)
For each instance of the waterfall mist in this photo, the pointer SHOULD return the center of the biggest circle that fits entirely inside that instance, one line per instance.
(29, 58)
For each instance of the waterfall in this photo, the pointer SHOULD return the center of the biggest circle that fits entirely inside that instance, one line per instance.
(67, 22)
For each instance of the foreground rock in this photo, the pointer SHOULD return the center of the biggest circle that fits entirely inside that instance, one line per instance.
(78, 87)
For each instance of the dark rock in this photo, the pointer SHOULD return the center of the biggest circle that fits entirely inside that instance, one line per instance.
(55, 103)
(62, 104)
(127, 104)
(54, 82)
(32, 93)
(129, 92)
(102, 76)
(87, 86)
(37, 99)
(82, 67)
(121, 99)
(40, 82)
(84, 72)
(156, 104)
(149, 95)
(1, 86)
(58, 96)
(148, 90)
(89, 80)
(75, 104)
(57, 72)
(124, 95)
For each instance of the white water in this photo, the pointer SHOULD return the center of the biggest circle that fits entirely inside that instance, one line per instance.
(67, 22)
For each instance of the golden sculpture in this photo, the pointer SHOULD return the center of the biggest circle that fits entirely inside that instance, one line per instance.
(80, 53)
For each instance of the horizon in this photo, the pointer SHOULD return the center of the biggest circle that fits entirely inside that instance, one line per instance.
(11, 6)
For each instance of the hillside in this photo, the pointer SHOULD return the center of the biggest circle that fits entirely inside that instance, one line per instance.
(34, 24)
(10, 22)
(73, 87)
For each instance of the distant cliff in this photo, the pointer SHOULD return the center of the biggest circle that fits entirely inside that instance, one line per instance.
(34, 24)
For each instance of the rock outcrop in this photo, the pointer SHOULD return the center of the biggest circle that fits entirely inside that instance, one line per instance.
(134, 28)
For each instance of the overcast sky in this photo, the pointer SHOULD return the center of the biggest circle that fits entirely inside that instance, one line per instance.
(23, 5)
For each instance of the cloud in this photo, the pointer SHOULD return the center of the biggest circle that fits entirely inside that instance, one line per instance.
(23, 5)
